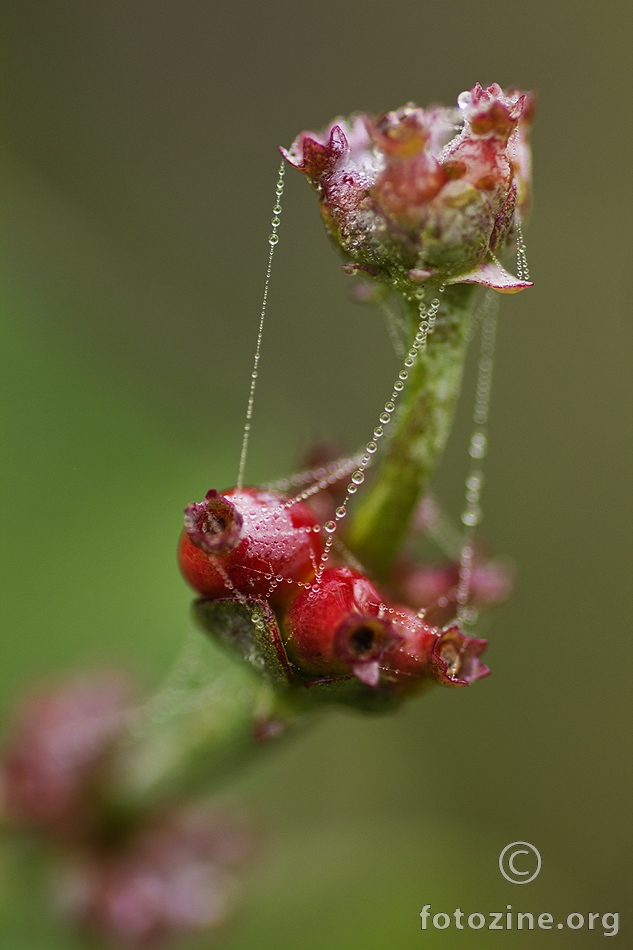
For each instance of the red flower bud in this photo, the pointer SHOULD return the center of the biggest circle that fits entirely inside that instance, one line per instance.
(248, 540)
(426, 653)
(338, 627)
(415, 195)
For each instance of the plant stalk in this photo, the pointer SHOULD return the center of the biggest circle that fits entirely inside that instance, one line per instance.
(419, 434)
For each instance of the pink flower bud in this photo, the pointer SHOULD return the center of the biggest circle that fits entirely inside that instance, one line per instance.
(425, 195)
(173, 880)
(57, 749)
(434, 587)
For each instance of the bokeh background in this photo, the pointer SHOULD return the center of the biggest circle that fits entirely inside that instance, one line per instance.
(138, 168)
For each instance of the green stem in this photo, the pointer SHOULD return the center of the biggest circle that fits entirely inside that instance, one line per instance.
(420, 432)
(196, 730)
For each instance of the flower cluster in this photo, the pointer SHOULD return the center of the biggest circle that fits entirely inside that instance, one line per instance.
(332, 630)
(421, 196)
(134, 880)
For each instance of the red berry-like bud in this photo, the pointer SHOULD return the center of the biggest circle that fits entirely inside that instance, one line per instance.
(251, 541)
(427, 653)
(339, 626)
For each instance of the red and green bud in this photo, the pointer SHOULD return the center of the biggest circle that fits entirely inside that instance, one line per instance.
(249, 541)
(416, 196)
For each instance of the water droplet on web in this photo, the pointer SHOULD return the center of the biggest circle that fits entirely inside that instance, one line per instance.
(341, 512)
(478, 445)
(463, 100)
(378, 431)
(330, 527)
(403, 374)
(371, 447)
(351, 489)
(273, 239)
(385, 418)
(398, 386)
(358, 478)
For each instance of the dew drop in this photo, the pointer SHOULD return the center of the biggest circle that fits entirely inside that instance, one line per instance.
(330, 527)
(378, 431)
(351, 489)
(398, 386)
(409, 361)
(371, 447)
(279, 578)
(275, 222)
(463, 100)
(389, 406)
(273, 239)
(471, 517)
(385, 418)
(403, 374)
(341, 512)
(477, 448)
(358, 478)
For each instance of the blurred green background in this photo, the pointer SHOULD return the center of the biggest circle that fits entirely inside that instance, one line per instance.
(138, 170)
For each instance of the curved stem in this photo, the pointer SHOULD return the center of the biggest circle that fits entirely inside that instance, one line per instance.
(209, 719)
(421, 428)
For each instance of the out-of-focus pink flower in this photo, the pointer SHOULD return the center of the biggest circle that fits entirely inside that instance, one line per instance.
(434, 586)
(173, 879)
(425, 195)
(57, 748)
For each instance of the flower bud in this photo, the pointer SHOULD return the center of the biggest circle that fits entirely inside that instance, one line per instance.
(416, 196)
(57, 749)
(173, 880)
(244, 540)
(338, 627)
(433, 587)
(425, 653)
